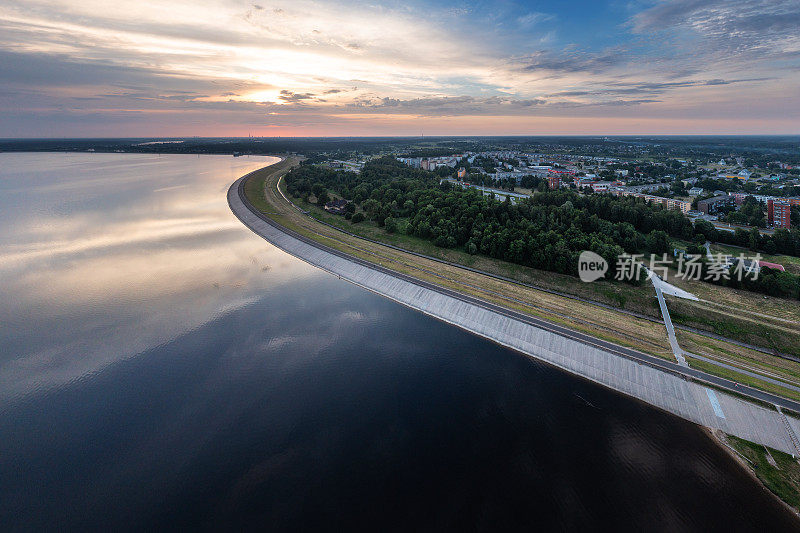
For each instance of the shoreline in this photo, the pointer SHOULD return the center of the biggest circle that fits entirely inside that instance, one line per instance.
(720, 439)
(599, 361)
(271, 231)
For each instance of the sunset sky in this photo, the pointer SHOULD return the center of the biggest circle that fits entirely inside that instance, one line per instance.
(308, 68)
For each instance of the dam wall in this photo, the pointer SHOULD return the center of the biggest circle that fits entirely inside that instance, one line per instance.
(570, 351)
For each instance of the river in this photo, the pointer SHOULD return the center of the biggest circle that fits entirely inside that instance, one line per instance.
(163, 367)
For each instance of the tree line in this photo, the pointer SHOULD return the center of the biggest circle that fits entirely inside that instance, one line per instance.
(547, 231)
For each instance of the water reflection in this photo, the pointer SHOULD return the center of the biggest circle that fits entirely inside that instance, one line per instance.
(114, 254)
(163, 368)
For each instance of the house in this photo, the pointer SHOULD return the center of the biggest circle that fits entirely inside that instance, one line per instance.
(695, 191)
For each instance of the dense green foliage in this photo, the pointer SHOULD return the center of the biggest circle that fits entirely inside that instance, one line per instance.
(547, 231)
(751, 213)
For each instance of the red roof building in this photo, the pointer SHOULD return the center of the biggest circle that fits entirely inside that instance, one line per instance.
(774, 266)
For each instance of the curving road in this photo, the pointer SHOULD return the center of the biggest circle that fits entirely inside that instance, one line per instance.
(652, 361)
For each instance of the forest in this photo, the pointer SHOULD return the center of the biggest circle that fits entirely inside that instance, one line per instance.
(547, 231)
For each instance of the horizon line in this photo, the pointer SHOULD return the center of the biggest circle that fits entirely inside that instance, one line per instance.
(574, 135)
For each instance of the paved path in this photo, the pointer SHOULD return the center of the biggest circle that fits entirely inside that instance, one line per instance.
(656, 381)
(742, 371)
(658, 283)
(548, 291)
(673, 341)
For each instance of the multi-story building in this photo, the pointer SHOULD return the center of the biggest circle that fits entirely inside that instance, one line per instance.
(669, 203)
(681, 205)
(779, 213)
(740, 196)
(601, 186)
(711, 205)
(553, 181)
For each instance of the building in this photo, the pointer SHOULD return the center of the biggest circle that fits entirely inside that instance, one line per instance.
(515, 175)
(779, 213)
(711, 205)
(740, 196)
(553, 181)
(414, 162)
(774, 266)
(462, 173)
(336, 207)
(680, 205)
(601, 186)
(669, 203)
(695, 191)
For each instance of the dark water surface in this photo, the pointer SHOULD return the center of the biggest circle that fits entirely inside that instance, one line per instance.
(162, 367)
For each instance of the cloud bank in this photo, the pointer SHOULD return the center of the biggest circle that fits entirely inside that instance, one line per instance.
(312, 67)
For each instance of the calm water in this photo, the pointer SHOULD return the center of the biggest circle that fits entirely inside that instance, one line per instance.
(162, 367)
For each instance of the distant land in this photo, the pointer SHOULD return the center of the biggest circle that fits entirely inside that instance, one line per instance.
(619, 146)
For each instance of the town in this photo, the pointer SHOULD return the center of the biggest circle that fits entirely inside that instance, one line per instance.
(711, 190)
(675, 184)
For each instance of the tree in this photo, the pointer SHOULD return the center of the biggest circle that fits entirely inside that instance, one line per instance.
(424, 229)
(546, 231)
(754, 239)
(657, 242)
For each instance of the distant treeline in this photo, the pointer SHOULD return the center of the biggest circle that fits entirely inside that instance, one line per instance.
(759, 149)
(245, 146)
(547, 231)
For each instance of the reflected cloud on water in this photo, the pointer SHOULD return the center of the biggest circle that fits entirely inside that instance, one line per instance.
(101, 279)
(162, 367)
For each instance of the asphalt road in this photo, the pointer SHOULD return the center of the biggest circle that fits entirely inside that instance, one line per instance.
(643, 358)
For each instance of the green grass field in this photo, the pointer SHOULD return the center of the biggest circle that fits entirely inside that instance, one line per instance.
(782, 478)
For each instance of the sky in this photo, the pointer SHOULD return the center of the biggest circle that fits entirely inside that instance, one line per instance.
(93, 68)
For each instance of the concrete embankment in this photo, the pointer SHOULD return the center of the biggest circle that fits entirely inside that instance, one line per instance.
(571, 351)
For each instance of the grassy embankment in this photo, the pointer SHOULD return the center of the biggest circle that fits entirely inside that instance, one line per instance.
(790, 263)
(778, 471)
(602, 322)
